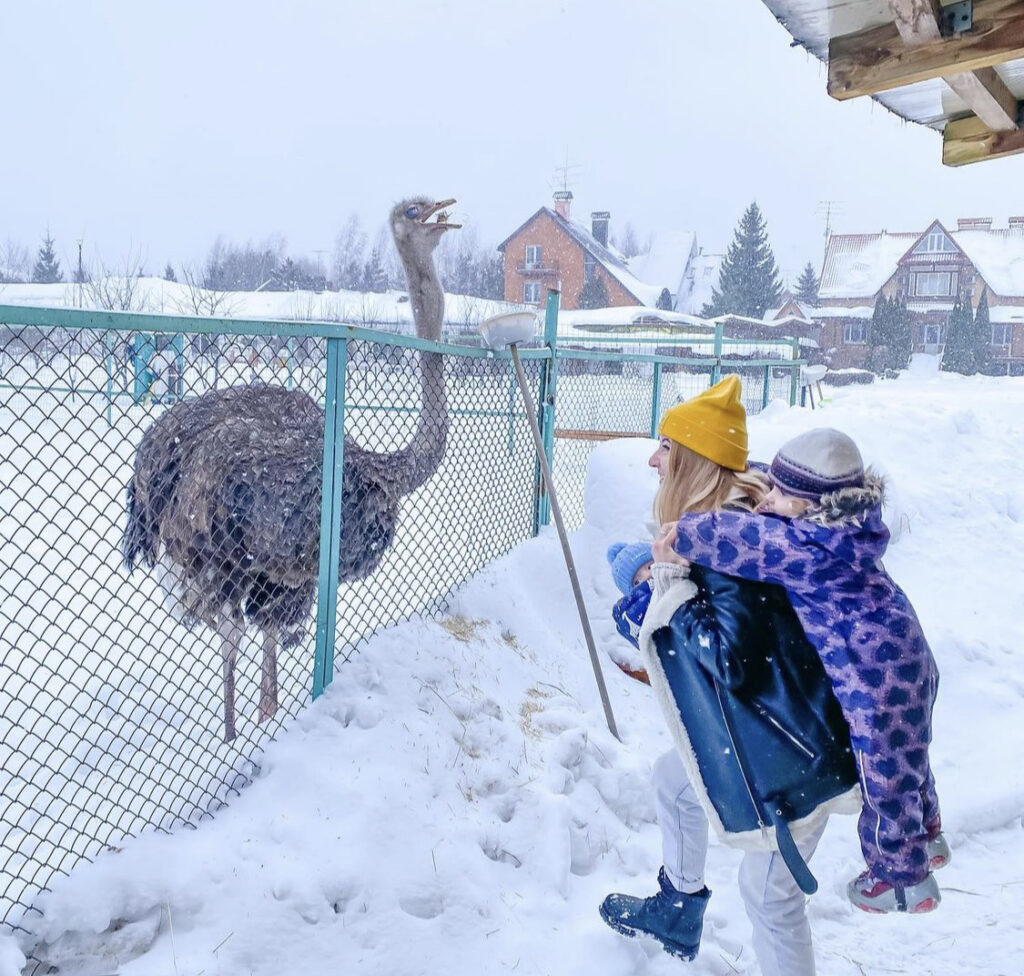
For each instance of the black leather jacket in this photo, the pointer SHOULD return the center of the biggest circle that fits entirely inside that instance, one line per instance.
(754, 703)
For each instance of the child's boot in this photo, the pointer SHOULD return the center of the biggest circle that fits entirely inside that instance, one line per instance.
(673, 917)
(939, 853)
(870, 894)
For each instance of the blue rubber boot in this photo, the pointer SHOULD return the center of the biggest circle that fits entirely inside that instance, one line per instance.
(673, 918)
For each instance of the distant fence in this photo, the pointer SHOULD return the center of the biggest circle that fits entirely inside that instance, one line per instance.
(111, 711)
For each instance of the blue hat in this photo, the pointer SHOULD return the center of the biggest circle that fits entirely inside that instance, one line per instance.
(625, 560)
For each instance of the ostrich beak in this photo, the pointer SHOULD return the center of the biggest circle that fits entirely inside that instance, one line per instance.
(440, 208)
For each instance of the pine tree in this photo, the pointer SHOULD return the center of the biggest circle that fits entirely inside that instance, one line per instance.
(169, 274)
(593, 294)
(375, 277)
(749, 283)
(47, 267)
(901, 336)
(665, 300)
(880, 338)
(983, 335)
(958, 351)
(807, 286)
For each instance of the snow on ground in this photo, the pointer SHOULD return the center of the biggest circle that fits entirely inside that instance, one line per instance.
(455, 803)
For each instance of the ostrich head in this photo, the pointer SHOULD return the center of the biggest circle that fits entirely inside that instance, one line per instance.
(414, 232)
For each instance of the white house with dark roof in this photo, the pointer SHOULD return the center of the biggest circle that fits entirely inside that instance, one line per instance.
(551, 247)
(928, 270)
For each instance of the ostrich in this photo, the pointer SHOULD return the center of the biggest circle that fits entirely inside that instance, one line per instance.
(225, 493)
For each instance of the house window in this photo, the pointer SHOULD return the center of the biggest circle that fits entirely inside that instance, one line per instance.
(933, 284)
(935, 243)
(589, 267)
(930, 335)
(533, 255)
(531, 292)
(1002, 334)
(853, 333)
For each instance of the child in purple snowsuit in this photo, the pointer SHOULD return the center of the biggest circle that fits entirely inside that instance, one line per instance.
(820, 535)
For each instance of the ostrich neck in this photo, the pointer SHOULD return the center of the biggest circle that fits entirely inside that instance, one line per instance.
(414, 464)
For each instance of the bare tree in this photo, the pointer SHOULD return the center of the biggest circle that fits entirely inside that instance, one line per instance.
(349, 251)
(200, 300)
(117, 289)
(15, 263)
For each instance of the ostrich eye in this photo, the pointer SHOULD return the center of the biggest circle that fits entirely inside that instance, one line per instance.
(412, 213)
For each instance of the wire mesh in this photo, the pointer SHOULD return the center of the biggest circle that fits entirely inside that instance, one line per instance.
(110, 704)
(112, 714)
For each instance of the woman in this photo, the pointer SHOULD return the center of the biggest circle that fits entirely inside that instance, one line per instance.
(762, 748)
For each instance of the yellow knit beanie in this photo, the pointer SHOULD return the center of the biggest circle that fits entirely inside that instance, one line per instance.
(712, 424)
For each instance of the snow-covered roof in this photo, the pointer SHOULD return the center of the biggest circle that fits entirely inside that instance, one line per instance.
(626, 317)
(998, 255)
(813, 23)
(700, 280)
(858, 265)
(667, 264)
(667, 260)
(645, 292)
(843, 312)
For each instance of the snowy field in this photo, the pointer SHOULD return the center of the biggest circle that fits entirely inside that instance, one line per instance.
(454, 802)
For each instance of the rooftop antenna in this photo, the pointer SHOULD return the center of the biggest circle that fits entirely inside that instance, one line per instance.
(566, 175)
(828, 208)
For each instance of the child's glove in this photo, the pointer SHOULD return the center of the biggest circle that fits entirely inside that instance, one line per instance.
(630, 611)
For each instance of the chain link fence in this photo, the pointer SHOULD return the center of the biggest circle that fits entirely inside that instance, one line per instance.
(113, 682)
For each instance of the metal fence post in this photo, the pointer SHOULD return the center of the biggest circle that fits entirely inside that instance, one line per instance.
(330, 514)
(546, 404)
(655, 399)
(766, 387)
(108, 361)
(794, 374)
(716, 368)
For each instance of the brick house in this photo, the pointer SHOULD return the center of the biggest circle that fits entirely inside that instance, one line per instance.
(928, 271)
(550, 248)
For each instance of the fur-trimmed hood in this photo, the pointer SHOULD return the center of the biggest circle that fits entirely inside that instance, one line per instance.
(849, 505)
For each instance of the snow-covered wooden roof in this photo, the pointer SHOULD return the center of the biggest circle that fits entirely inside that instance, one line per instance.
(954, 66)
(858, 265)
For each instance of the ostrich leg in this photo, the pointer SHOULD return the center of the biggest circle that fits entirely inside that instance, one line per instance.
(268, 683)
(230, 632)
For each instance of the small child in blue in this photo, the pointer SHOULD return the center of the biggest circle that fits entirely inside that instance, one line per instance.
(820, 535)
(631, 570)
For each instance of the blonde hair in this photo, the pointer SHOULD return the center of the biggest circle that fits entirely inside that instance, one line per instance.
(692, 483)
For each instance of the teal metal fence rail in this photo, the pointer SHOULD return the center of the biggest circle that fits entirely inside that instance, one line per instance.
(110, 705)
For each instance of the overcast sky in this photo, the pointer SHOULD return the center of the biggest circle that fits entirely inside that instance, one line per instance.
(159, 126)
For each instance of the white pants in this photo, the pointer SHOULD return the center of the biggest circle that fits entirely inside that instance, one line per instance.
(775, 905)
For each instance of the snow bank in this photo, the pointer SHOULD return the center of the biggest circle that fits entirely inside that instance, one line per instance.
(454, 803)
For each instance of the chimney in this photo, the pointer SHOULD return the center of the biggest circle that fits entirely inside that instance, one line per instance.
(599, 220)
(974, 223)
(563, 203)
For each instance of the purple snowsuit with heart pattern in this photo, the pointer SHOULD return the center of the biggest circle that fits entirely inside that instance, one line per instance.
(871, 644)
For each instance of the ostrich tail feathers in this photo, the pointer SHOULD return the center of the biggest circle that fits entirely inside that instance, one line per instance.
(136, 543)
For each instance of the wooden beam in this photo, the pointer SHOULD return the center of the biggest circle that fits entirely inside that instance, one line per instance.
(970, 140)
(986, 94)
(982, 91)
(880, 59)
(596, 435)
